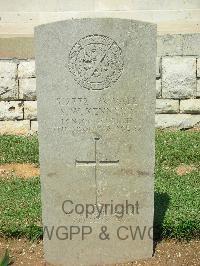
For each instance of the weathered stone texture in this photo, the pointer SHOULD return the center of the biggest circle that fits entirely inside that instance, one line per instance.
(158, 67)
(14, 127)
(8, 89)
(198, 88)
(8, 81)
(178, 77)
(34, 126)
(96, 110)
(191, 44)
(198, 67)
(178, 44)
(179, 121)
(169, 45)
(191, 106)
(8, 69)
(164, 106)
(12, 110)
(26, 69)
(27, 89)
(158, 88)
(30, 110)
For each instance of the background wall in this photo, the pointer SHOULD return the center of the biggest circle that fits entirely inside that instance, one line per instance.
(18, 17)
(177, 87)
(178, 61)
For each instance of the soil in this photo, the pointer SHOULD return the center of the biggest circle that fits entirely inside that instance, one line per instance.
(167, 253)
(25, 170)
(184, 169)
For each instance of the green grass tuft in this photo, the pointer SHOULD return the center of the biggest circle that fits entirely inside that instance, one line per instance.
(6, 259)
(20, 208)
(15, 149)
(177, 147)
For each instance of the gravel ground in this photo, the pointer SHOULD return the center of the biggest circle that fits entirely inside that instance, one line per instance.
(167, 253)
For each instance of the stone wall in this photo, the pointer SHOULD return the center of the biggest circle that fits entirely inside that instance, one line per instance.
(18, 17)
(177, 87)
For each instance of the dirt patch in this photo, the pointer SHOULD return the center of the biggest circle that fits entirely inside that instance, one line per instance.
(185, 169)
(22, 252)
(195, 129)
(19, 170)
(167, 253)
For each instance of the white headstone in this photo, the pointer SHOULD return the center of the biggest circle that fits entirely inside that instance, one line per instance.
(96, 104)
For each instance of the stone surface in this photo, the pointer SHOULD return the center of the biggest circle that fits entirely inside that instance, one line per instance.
(26, 69)
(169, 45)
(12, 110)
(27, 89)
(178, 77)
(158, 88)
(34, 126)
(30, 110)
(191, 44)
(164, 106)
(96, 104)
(8, 89)
(8, 69)
(76, 5)
(178, 44)
(158, 67)
(14, 127)
(198, 88)
(198, 67)
(191, 106)
(180, 121)
(8, 82)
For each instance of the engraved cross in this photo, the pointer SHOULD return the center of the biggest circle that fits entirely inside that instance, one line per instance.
(95, 163)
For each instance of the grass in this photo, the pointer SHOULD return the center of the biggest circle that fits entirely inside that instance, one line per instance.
(20, 208)
(177, 198)
(177, 147)
(14, 149)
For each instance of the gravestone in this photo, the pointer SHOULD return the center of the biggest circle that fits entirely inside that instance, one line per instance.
(96, 105)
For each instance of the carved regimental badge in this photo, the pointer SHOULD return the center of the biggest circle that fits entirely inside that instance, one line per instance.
(96, 62)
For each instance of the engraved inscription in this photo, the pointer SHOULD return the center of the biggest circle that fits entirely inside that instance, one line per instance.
(96, 62)
(79, 114)
(96, 163)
